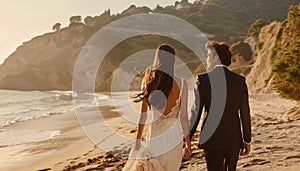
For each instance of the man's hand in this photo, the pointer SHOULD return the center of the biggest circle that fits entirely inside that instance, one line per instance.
(246, 150)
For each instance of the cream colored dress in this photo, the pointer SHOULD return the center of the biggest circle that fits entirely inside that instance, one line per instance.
(163, 149)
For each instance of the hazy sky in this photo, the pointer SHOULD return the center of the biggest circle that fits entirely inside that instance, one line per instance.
(21, 20)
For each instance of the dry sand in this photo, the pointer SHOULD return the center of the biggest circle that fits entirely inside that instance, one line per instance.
(275, 143)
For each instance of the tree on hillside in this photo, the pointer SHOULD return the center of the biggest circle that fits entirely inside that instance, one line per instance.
(75, 19)
(106, 13)
(56, 27)
(88, 21)
(158, 7)
(201, 1)
(132, 7)
(255, 28)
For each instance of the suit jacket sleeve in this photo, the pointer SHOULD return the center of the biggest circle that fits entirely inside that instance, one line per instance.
(245, 114)
(196, 111)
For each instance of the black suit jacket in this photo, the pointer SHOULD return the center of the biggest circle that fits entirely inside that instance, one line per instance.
(224, 97)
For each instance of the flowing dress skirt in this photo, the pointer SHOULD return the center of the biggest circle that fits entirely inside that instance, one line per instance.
(163, 149)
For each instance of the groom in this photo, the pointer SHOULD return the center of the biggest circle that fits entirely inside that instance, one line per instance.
(226, 130)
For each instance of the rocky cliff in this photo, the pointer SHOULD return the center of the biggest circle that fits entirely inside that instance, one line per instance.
(46, 62)
(260, 78)
(277, 58)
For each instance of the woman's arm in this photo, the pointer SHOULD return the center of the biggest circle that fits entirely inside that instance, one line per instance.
(141, 124)
(183, 110)
(184, 120)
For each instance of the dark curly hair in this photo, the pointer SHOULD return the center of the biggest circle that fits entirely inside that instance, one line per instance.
(223, 51)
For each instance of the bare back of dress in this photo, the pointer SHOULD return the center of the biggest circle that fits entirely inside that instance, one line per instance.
(164, 140)
(163, 148)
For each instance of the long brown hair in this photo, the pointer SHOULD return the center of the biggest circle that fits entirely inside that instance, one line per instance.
(158, 79)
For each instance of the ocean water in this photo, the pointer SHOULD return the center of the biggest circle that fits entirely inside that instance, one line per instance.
(19, 106)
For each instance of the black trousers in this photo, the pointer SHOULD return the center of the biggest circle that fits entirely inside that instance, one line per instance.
(221, 160)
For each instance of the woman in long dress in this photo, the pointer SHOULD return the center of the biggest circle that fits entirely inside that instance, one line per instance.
(165, 97)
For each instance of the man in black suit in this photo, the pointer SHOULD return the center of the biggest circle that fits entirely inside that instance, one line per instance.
(226, 130)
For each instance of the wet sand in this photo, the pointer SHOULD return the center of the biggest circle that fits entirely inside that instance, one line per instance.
(275, 144)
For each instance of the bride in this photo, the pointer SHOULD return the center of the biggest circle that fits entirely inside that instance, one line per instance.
(164, 96)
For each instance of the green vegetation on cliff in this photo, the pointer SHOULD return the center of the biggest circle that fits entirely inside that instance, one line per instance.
(46, 62)
(255, 28)
(243, 49)
(286, 56)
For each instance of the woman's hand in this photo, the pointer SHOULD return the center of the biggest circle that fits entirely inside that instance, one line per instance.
(187, 152)
(137, 144)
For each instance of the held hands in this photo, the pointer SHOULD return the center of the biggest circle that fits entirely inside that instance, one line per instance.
(246, 150)
(187, 152)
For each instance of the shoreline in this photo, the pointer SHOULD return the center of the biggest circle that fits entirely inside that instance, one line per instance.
(72, 141)
(274, 145)
(66, 123)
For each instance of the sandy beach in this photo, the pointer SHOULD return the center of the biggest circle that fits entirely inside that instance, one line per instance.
(69, 70)
(72, 146)
(275, 143)
(43, 153)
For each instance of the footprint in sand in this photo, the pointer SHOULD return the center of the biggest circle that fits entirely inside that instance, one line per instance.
(256, 162)
(292, 157)
(85, 154)
(75, 158)
(45, 169)
(275, 148)
(257, 148)
(58, 163)
(257, 141)
(261, 152)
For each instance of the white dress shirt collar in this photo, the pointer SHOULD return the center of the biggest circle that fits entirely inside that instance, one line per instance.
(219, 65)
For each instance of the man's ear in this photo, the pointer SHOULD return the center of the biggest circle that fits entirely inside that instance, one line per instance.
(215, 58)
